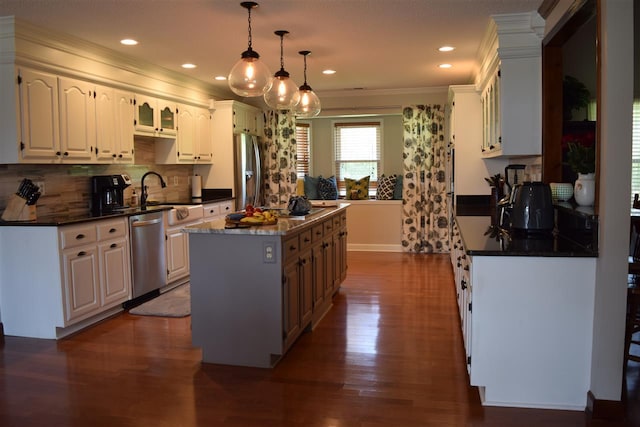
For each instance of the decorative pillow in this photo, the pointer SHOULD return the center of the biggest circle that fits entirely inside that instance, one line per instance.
(386, 187)
(397, 191)
(327, 188)
(357, 189)
(311, 187)
(300, 187)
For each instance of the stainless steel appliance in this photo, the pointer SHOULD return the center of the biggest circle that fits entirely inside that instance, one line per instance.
(148, 260)
(248, 171)
(107, 193)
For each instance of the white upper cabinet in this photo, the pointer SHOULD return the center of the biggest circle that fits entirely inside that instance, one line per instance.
(39, 135)
(77, 120)
(155, 117)
(193, 141)
(510, 82)
(247, 119)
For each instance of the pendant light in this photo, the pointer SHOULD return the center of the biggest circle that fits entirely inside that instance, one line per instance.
(250, 76)
(283, 94)
(309, 105)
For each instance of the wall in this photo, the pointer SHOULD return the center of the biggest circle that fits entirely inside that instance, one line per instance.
(67, 187)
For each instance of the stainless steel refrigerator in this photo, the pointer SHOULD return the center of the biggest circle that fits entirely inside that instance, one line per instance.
(248, 171)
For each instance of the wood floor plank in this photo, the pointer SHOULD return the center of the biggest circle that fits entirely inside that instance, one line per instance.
(388, 353)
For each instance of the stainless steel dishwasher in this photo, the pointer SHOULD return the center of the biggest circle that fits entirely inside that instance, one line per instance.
(148, 260)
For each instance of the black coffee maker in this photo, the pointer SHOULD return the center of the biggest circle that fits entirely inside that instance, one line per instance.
(107, 193)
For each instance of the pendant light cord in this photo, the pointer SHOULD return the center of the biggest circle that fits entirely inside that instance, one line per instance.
(249, 20)
(281, 51)
(305, 70)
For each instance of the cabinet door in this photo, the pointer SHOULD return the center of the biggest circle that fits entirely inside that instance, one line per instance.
(291, 303)
(167, 118)
(124, 126)
(39, 123)
(204, 144)
(328, 256)
(177, 254)
(306, 287)
(145, 114)
(81, 282)
(319, 278)
(77, 120)
(186, 138)
(106, 130)
(115, 275)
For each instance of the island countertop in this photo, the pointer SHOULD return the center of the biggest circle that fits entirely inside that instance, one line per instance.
(286, 224)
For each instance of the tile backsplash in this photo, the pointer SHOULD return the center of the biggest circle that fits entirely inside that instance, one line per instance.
(67, 187)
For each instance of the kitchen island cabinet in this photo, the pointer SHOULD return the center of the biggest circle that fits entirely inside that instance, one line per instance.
(255, 290)
(526, 310)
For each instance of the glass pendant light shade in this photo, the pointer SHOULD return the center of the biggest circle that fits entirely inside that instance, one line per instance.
(309, 105)
(249, 76)
(283, 94)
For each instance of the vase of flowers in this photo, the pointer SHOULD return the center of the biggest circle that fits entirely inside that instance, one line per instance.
(582, 160)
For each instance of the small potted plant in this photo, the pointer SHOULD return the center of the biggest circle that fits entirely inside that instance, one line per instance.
(582, 160)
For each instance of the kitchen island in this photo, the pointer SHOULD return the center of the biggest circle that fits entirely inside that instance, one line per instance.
(526, 310)
(255, 290)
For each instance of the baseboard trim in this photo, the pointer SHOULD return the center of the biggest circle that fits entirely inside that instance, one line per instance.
(604, 409)
(1, 332)
(373, 248)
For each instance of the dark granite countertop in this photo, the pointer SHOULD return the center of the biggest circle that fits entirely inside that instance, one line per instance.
(481, 238)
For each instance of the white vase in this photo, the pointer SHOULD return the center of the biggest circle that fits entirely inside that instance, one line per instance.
(585, 189)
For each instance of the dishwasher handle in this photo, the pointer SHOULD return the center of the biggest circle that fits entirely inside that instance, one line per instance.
(141, 223)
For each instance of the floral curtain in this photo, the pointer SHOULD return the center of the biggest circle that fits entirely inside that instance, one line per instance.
(425, 214)
(279, 158)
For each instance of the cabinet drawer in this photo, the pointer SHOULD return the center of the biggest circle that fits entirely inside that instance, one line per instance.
(290, 248)
(211, 210)
(112, 229)
(77, 235)
(317, 233)
(304, 239)
(337, 222)
(328, 226)
(226, 207)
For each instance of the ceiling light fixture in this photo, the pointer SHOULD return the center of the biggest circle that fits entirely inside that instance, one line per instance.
(446, 48)
(329, 72)
(283, 94)
(189, 66)
(445, 65)
(249, 76)
(128, 42)
(309, 105)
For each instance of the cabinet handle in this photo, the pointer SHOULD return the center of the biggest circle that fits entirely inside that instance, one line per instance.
(80, 236)
(292, 248)
(82, 253)
(58, 153)
(306, 239)
(114, 245)
(113, 155)
(113, 230)
(66, 153)
(120, 156)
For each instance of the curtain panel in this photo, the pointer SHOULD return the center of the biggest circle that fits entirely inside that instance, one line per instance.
(279, 158)
(425, 210)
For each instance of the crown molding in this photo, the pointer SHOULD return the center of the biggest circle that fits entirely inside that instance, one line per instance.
(354, 93)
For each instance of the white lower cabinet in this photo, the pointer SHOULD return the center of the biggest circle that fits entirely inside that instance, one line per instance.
(177, 242)
(461, 263)
(96, 273)
(69, 277)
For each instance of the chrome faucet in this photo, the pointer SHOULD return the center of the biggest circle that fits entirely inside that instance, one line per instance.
(143, 197)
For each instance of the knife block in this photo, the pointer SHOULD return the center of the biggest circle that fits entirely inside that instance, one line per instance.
(18, 210)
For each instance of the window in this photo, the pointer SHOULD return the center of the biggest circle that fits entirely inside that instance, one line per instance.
(635, 152)
(357, 152)
(302, 149)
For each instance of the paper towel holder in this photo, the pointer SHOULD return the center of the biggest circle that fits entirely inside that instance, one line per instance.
(196, 187)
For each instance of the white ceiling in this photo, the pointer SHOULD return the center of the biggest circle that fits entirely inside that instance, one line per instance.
(372, 44)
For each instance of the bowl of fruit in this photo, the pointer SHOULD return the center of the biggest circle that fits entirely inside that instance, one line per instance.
(252, 216)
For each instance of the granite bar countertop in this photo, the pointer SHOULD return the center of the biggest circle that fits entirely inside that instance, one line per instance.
(286, 224)
(481, 238)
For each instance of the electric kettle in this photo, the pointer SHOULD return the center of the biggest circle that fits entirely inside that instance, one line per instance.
(532, 207)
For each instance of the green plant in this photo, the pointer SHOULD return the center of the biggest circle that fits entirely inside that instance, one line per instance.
(494, 181)
(575, 95)
(581, 159)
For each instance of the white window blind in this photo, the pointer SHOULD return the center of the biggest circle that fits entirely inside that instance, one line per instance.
(357, 152)
(635, 152)
(302, 149)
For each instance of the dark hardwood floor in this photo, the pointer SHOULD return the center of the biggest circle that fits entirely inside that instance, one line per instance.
(389, 353)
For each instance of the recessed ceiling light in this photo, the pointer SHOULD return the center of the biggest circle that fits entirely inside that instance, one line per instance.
(446, 48)
(328, 72)
(220, 78)
(445, 65)
(188, 65)
(129, 42)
